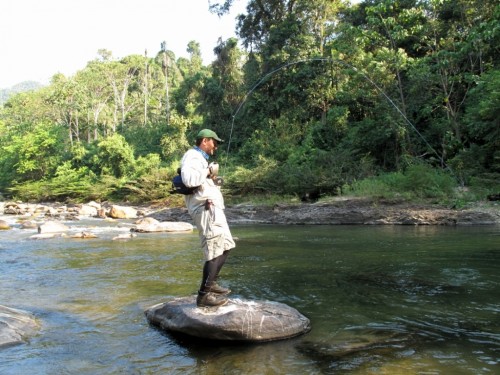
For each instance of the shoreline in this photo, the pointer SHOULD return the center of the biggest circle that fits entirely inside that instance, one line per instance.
(349, 211)
(335, 211)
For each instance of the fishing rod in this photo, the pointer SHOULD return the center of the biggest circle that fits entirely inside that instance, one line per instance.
(328, 59)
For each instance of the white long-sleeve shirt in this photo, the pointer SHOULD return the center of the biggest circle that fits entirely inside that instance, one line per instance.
(194, 172)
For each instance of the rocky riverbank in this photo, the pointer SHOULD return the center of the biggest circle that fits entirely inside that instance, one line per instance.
(338, 211)
(351, 211)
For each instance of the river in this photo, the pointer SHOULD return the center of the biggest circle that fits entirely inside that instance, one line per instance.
(381, 300)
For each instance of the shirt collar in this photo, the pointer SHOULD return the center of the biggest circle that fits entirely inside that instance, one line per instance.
(205, 155)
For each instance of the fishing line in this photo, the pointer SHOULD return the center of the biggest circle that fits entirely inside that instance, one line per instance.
(326, 59)
(254, 87)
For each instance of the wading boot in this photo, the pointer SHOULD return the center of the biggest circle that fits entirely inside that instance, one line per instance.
(205, 299)
(217, 289)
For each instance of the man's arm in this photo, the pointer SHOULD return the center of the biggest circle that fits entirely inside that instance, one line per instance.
(194, 172)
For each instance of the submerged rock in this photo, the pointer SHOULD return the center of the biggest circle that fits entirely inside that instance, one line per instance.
(238, 320)
(83, 235)
(124, 236)
(15, 326)
(44, 236)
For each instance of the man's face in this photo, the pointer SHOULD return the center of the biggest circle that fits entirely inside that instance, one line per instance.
(209, 145)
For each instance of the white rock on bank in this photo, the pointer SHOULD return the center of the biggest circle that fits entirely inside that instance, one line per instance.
(87, 210)
(122, 212)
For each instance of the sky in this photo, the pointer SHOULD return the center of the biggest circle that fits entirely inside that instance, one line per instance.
(39, 38)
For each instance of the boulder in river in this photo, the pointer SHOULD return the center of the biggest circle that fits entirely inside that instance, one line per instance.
(124, 236)
(52, 227)
(87, 210)
(29, 224)
(4, 225)
(149, 225)
(122, 212)
(238, 320)
(15, 326)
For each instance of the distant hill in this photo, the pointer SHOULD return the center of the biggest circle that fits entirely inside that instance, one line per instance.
(20, 87)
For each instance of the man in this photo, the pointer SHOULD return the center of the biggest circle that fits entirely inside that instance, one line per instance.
(206, 207)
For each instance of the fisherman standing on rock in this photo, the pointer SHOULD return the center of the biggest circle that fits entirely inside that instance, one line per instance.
(206, 207)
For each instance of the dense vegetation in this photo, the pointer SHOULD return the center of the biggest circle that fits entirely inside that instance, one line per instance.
(383, 97)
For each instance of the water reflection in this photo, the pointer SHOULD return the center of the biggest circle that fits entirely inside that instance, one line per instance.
(381, 300)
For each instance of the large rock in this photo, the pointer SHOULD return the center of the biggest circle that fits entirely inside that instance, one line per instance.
(29, 224)
(87, 210)
(148, 225)
(52, 227)
(239, 320)
(15, 208)
(15, 326)
(122, 212)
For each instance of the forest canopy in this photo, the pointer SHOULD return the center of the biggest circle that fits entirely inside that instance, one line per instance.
(393, 97)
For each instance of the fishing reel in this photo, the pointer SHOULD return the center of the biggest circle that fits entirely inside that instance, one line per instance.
(213, 167)
(219, 181)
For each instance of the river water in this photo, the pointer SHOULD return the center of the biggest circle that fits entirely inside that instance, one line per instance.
(381, 300)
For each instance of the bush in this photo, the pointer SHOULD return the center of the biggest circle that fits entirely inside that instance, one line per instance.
(115, 156)
(424, 181)
(67, 183)
(152, 186)
(418, 181)
(147, 164)
(244, 180)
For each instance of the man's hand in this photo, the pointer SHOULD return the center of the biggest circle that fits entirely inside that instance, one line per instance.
(213, 169)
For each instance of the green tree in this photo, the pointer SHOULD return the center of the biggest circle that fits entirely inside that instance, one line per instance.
(222, 91)
(23, 110)
(96, 95)
(115, 157)
(33, 155)
(456, 52)
(120, 77)
(187, 97)
(174, 142)
(482, 131)
(284, 37)
(65, 99)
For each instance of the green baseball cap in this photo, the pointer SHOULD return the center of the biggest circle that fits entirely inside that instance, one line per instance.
(207, 133)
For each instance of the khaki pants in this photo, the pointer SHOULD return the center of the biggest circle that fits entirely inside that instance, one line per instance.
(214, 232)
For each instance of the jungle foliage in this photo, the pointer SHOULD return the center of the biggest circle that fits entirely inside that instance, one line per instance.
(382, 97)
